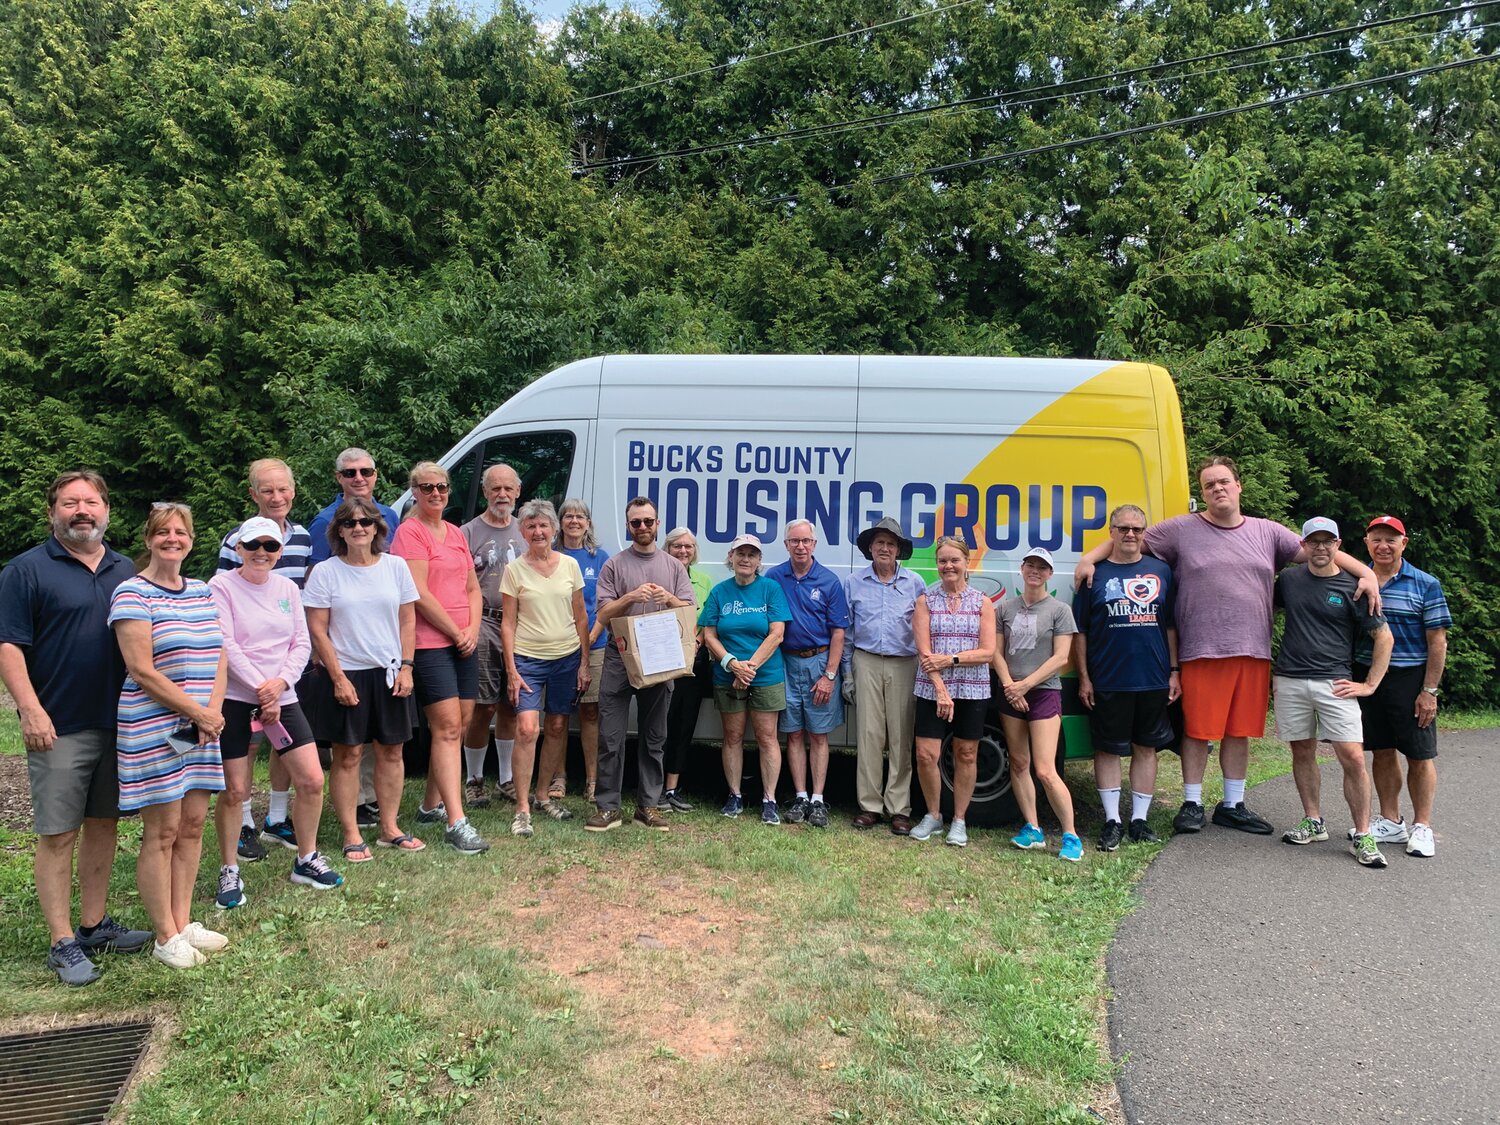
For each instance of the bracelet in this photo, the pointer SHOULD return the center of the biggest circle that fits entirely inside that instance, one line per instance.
(408, 664)
(1174, 669)
(727, 661)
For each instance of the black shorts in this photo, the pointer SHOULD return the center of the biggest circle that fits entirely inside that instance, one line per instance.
(968, 719)
(1389, 714)
(440, 673)
(237, 737)
(379, 716)
(1122, 719)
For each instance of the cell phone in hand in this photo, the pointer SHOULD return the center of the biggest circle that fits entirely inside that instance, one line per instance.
(184, 739)
(278, 736)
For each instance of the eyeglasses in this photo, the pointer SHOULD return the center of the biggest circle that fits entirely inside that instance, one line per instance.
(1129, 530)
(358, 521)
(636, 523)
(431, 486)
(350, 474)
(269, 546)
(801, 542)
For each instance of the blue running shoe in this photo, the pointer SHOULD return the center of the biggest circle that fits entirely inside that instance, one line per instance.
(281, 833)
(734, 806)
(1030, 836)
(1072, 848)
(314, 872)
(768, 813)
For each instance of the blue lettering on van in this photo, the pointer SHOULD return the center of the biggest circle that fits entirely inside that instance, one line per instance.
(641, 457)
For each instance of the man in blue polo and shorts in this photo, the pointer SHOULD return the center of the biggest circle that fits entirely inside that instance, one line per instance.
(1126, 652)
(813, 649)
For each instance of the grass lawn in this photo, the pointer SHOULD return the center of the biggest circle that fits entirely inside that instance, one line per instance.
(724, 971)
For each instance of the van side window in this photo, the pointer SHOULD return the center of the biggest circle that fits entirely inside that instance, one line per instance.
(542, 459)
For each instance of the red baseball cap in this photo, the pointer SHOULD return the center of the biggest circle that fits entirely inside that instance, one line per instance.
(1388, 521)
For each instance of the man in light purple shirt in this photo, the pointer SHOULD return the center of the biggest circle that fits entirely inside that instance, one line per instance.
(879, 665)
(1225, 565)
(640, 579)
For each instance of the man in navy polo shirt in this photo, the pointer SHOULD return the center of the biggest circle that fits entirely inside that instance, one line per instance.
(813, 649)
(60, 663)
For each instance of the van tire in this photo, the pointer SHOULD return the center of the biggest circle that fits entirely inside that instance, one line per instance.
(993, 803)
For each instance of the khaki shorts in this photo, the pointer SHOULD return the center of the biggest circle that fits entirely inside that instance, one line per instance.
(766, 697)
(596, 674)
(491, 662)
(1307, 709)
(79, 777)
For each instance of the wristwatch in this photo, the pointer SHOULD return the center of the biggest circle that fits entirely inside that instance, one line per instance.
(955, 660)
(830, 676)
(1432, 691)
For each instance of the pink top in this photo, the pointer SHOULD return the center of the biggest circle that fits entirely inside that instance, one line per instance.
(449, 565)
(265, 633)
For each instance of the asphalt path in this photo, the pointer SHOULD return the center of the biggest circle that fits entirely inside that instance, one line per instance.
(1261, 982)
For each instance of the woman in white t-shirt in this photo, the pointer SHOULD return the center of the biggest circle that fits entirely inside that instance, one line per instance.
(361, 612)
(545, 632)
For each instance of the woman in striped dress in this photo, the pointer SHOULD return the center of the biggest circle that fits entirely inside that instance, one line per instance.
(169, 723)
(954, 627)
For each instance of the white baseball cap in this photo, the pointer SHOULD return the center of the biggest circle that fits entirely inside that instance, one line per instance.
(258, 527)
(746, 541)
(1040, 553)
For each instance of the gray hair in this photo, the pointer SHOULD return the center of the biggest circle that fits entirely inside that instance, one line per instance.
(497, 468)
(574, 504)
(729, 562)
(678, 533)
(1128, 508)
(800, 523)
(353, 453)
(538, 510)
(269, 464)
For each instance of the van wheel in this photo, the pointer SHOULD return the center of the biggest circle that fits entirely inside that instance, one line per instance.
(993, 803)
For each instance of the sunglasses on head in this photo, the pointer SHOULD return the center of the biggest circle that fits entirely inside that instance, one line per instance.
(431, 486)
(350, 474)
(643, 523)
(358, 521)
(269, 546)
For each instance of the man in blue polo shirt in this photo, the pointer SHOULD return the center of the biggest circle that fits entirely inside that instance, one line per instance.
(813, 649)
(354, 470)
(60, 663)
(1401, 714)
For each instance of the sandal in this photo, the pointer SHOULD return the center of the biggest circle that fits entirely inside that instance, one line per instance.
(358, 853)
(559, 788)
(406, 842)
(588, 791)
(555, 810)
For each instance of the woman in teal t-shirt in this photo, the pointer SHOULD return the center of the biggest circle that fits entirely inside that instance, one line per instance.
(743, 620)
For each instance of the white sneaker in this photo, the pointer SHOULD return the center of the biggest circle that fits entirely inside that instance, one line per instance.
(178, 953)
(1422, 843)
(201, 938)
(1385, 831)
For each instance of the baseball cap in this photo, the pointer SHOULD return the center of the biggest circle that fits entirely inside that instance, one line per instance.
(257, 527)
(1039, 553)
(745, 541)
(1320, 523)
(1387, 521)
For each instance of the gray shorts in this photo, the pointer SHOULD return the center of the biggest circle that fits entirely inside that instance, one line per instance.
(491, 662)
(79, 777)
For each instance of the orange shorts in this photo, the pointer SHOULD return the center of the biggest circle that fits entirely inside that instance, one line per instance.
(1225, 698)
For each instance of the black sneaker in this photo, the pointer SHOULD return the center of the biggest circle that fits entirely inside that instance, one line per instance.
(282, 832)
(250, 848)
(368, 815)
(817, 814)
(1110, 838)
(1240, 818)
(796, 812)
(1140, 833)
(1189, 818)
(675, 802)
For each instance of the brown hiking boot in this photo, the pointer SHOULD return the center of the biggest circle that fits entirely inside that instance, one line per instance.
(652, 818)
(603, 821)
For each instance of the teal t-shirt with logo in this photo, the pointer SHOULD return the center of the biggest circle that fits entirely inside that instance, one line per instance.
(742, 617)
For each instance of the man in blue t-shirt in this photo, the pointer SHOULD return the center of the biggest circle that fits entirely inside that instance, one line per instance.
(1126, 652)
(59, 661)
(813, 647)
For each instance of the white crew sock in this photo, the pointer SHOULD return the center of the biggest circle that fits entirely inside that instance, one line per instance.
(1234, 790)
(474, 758)
(276, 809)
(1110, 799)
(504, 748)
(817, 798)
(1140, 805)
(231, 867)
(802, 794)
(1193, 793)
(247, 816)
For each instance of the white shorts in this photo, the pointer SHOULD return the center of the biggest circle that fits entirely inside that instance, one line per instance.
(1308, 709)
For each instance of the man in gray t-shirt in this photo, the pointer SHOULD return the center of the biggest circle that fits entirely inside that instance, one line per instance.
(1315, 698)
(494, 538)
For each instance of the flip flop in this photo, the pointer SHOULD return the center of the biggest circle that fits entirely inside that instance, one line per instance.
(403, 843)
(358, 853)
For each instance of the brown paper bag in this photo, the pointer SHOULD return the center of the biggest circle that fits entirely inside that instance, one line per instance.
(623, 633)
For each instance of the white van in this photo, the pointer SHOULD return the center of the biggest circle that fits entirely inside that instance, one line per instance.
(1011, 453)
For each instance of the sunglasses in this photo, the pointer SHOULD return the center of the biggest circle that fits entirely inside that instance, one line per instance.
(269, 546)
(350, 474)
(642, 523)
(357, 521)
(429, 487)
(1125, 530)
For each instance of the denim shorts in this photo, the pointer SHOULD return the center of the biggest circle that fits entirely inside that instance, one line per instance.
(555, 680)
(802, 673)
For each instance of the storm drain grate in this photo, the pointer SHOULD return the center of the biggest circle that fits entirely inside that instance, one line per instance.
(71, 1076)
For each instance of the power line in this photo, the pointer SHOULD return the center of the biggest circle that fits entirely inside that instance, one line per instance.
(1138, 130)
(807, 131)
(779, 51)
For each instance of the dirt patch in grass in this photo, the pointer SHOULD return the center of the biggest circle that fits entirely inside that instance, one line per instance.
(15, 793)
